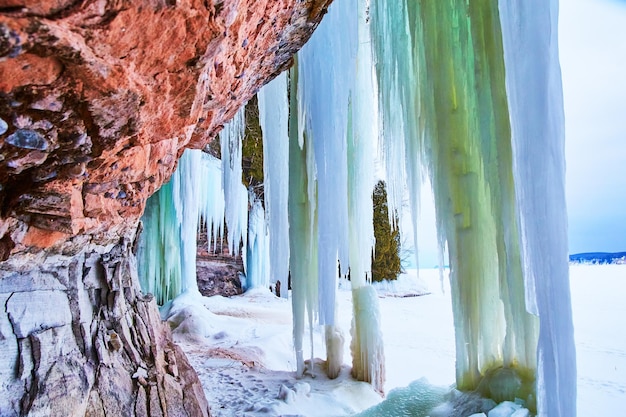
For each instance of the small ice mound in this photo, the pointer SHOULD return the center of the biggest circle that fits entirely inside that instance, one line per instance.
(286, 394)
(416, 400)
(334, 351)
(508, 409)
(189, 319)
(420, 399)
(290, 396)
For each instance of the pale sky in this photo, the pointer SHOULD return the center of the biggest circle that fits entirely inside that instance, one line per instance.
(593, 63)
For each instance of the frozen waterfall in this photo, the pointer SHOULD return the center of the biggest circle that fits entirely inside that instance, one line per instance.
(465, 93)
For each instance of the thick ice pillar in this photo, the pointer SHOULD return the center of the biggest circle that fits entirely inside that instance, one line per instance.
(273, 117)
(302, 204)
(533, 81)
(465, 122)
(168, 244)
(367, 347)
(324, 87)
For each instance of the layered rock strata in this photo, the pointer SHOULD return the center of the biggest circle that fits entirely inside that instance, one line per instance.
(79, 338)
(98, 99)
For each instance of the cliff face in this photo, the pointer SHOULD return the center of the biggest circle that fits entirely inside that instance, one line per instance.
(79, 339)
(98, 99)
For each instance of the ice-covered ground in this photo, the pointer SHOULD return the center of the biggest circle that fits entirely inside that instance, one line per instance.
(241, 348)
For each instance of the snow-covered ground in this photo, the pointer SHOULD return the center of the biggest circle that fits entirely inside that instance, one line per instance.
(242, 350)
(599, 304)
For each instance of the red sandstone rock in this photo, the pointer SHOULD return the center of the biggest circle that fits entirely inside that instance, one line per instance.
(101, 97)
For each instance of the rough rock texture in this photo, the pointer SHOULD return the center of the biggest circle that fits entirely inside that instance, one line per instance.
(78, 338)
(219, 276)
(217, 271)
(98, 99)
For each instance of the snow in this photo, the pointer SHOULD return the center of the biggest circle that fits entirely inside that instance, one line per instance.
(242, 348)
(598, 294)
(464, 123)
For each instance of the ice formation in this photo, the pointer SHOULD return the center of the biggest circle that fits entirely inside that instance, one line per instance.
(274, 117)
(465, 126)
(258, 255)
(235, 193)
(533, 83)
(168, 244)
(468, 93)
(201, 192)
(302, 210)
(499, 202)
(333, 135)
(366, 346)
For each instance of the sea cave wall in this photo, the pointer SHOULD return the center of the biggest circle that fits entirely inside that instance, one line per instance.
(98, 99)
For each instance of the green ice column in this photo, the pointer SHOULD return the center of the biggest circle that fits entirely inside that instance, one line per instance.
(464, 119)
(302, 209)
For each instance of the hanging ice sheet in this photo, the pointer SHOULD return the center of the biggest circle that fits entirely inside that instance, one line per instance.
(533, 81)
(168, 246)
(492, 192)
(273, 117)
(324, 93)
(235, 193)
(465, 125)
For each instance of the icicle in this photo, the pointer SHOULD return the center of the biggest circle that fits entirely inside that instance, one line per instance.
(235, 193)
(533, 82)
(397, 78)
(331, 184)
(361, 148)
(302, 225)
(212, 210)
(318, 165)
(461, 193)
(325, 88)
(187, 201)
(257, 271)
(273, 117)
(168, 246)
(159, 250)
(366, 346)
(462, 132)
